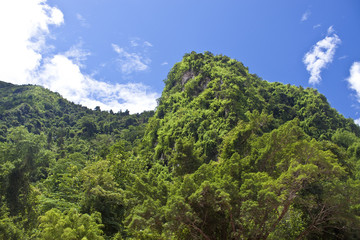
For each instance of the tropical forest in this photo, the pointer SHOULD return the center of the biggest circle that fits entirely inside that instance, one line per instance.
(225, 155)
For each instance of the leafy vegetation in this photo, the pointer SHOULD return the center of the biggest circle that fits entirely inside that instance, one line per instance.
(226, 155)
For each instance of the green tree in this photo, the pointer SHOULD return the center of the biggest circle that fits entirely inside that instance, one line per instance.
(69, 225)
(100, 193)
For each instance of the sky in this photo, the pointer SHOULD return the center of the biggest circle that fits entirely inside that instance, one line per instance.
(116, 53)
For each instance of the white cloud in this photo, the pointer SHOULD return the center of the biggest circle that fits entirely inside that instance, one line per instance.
(77, 54)
(130, 62)
(64, 76)
(137, 42)
(343, 57)
(25, 58)
(24, 26)
(321, 54)
(134, 42)
(357, 121)
(305, 16)
(147, 44)
(330, 30)
(82, 20)
(354, 78)
(164, 63)
(316, 26)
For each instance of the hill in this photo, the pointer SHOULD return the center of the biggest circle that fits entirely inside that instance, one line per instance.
(206, 96)
(41, 111)
(226, 155)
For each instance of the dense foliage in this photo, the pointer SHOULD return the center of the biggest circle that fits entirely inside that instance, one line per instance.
(226, 155)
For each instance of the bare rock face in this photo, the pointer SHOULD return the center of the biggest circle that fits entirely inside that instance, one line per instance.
(205, 83)
(187, 75)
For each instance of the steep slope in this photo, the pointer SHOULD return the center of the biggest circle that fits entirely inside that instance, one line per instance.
(205, 96)
(230, 156)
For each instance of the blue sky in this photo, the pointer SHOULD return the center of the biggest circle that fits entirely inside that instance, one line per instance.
(116, 53)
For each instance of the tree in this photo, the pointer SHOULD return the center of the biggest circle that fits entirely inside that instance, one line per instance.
(70, 224)
(100, 193)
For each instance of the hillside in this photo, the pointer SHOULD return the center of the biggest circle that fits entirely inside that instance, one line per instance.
(206, 96)
(41, 111)
(226, 155)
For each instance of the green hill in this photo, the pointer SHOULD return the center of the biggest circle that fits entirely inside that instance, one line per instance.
(41, 111)
(206, 96)
(226, 155)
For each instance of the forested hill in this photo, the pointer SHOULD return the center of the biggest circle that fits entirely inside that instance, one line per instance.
(226, 155)
(41, 111)
(207, 96)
